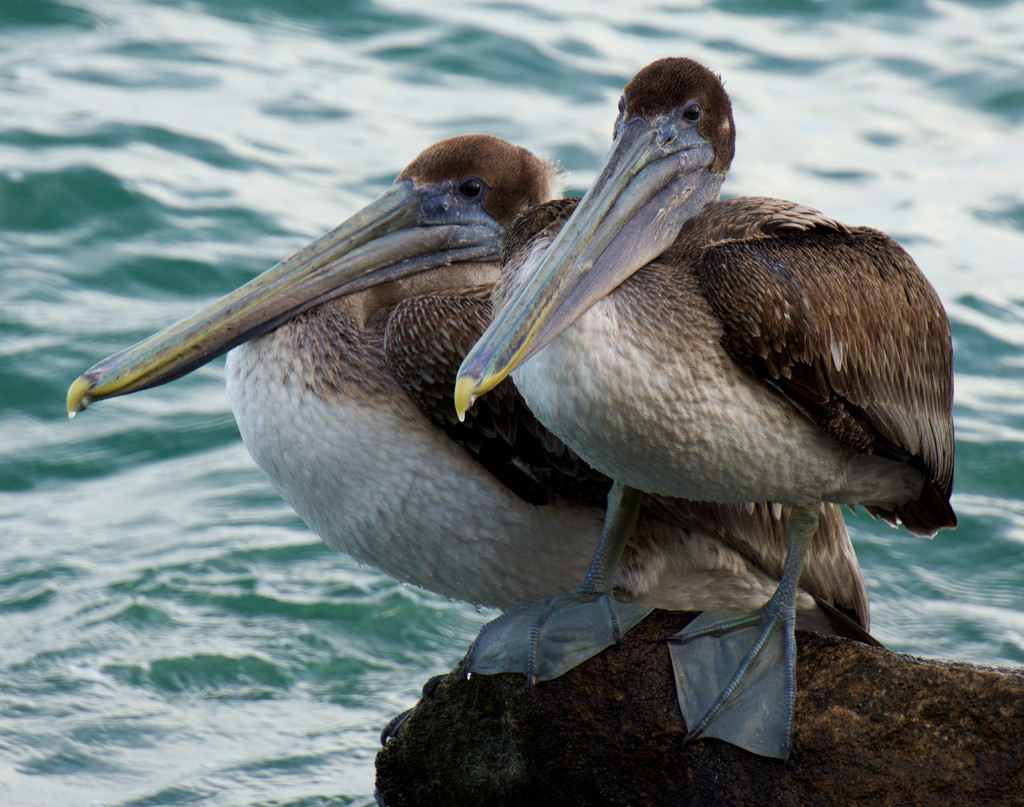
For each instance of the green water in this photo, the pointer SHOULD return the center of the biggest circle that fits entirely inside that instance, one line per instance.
(170, 634)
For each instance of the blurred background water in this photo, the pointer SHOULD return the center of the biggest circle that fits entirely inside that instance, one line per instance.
(170, 633)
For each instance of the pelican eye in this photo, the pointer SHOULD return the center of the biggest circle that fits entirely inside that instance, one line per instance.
(622, 104)
(692, 112)
(471, 187)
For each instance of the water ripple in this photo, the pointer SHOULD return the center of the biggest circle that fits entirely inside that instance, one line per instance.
(47, 14)
(72, 196)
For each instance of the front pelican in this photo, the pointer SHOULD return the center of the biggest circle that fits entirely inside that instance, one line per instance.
(749, 350)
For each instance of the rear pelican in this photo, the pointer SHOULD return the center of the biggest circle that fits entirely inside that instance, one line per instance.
(749, 350)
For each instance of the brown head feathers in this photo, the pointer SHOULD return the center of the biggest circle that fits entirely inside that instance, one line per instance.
(517, 179)
(667, 85)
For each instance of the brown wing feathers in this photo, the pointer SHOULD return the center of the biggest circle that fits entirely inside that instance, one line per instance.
(847, 327)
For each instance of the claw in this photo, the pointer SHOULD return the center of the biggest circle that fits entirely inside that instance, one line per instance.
(394, 725)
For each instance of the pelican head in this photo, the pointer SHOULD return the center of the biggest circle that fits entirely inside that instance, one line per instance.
(674, 142)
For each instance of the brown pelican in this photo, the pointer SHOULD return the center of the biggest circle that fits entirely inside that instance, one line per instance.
(343, 359)
(747, 350)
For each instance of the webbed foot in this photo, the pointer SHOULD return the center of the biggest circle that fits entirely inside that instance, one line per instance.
(545, 639)
(736, 678)
(736, 673)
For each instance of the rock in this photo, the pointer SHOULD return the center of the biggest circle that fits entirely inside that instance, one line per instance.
(872, 727)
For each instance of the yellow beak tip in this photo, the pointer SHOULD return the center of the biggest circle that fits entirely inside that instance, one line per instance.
(465, 394)
(78, 396)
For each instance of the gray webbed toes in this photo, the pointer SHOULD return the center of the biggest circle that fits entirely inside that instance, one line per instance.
(547, 639)
(735, 679)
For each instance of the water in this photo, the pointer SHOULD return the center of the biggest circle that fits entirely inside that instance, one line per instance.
(170, 634)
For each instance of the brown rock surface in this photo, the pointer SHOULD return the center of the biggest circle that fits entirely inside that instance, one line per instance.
(873, 727)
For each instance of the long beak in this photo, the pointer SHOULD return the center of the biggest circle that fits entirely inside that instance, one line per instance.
(652, 181)
(404, 231)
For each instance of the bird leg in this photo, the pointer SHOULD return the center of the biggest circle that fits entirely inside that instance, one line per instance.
(736, 673)
(547, 638)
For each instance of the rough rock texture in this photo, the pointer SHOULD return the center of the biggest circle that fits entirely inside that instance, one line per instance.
(873, 727)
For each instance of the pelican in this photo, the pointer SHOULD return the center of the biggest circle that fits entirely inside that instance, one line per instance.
(743, 350)
(341, 362)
